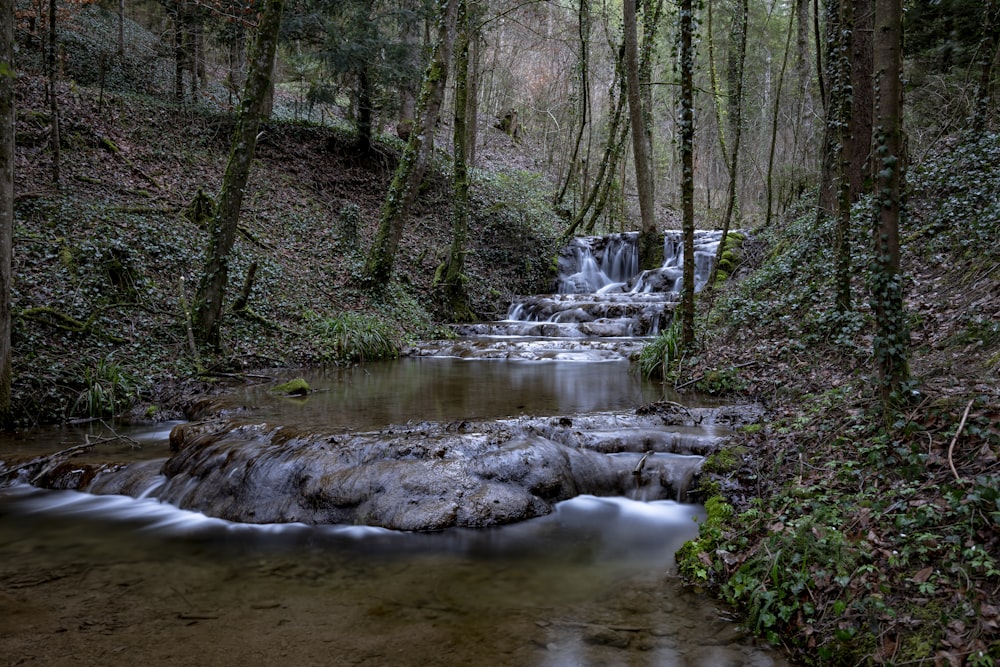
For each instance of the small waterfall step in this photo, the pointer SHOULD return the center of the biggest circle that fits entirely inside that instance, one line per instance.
(601, 309)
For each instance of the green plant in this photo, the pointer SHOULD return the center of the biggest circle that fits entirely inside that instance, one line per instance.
(108, 390)
(656, 358)
(354, 337)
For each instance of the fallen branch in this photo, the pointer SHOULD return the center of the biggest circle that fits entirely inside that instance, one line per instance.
(958, 432)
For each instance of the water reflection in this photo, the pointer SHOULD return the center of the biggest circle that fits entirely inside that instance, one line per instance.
(440, 389)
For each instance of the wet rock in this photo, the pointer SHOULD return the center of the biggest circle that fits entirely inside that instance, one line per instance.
(600, 635)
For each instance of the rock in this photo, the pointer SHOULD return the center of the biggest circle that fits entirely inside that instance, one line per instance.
(601, 635)
(296, 387)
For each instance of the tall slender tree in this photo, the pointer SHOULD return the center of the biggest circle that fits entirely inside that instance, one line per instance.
(641, 149)
(892, 338)
(686, 122)
(453, 280)
(416, 156)
(223, 225)
(6, 201)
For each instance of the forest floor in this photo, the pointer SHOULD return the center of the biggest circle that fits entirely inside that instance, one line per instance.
(843, 538)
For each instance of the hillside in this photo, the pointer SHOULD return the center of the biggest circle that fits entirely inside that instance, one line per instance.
(106, 264)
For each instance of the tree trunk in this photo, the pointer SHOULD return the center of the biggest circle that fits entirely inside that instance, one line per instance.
(472, 98)
(121, 28)
(211, 290)
(453, 282)
(686, 122)
(54, 138)
(859, 145)
(774, 130)
(643, 171)
(583, 64)
(735, 66)
(989, 48)
(419, 148)
(7, 116)
(892, 339)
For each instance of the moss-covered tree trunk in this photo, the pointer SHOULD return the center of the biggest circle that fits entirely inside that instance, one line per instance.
(453, 282)
(640, 145)
(734, 76)
(892, 337)
(417, 154)
(207, 313)
(686, 119)
(6, 200)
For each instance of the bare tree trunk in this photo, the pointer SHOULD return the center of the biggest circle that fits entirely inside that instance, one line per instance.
(121, 28)
(416, 156)
(472, 97)
(7, 116)
(54, 138)
(583, 30)
(211, 290)
(774, 129)
(686, 122)
(640, 146)
(989, 50)
(892, 339)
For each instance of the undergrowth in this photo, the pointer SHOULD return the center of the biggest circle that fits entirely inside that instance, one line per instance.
(848, 538)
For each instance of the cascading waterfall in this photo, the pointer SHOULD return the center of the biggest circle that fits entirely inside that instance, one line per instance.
(601, 293)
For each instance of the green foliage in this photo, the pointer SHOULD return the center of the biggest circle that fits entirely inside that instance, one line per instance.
(721, 381)
(959, 209)
(108, 390)
(353, 337)
(872, 536)
(658, 357)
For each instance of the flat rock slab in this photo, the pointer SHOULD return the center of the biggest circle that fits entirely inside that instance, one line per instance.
(426, 476)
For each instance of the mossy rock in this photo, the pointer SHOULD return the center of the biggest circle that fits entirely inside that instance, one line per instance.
(296, 387)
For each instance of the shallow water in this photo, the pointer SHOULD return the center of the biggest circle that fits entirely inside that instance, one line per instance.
(105, 580)
(109, 580)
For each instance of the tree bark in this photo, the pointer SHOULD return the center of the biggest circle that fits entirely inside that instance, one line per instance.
(419, 148)
(640, 146)
(54, 138)
(7, 116)
(686, 122)
(892, 338)
(583, 65)
(735, 67)
(211, 290)
(453, 282)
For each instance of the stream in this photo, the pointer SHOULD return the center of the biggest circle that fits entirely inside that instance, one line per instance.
(99, 578)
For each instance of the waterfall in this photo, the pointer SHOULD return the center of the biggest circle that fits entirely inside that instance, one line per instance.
(600, 294)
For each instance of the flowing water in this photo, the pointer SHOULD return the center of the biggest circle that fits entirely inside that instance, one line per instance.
(113, 580)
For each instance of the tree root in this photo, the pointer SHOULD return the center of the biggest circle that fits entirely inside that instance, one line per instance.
(59, 320)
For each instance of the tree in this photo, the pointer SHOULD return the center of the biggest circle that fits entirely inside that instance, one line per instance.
(416, 156)
(641, 149)
(207, 315)
(6, 200)
(453, 280)
(686, 122)
(734, 75)
(892, 338)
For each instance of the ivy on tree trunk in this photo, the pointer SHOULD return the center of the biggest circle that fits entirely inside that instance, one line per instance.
(892, 337)
(6, 201)
(417, 154)
(687, 167)
(453, 282)
(207, 313)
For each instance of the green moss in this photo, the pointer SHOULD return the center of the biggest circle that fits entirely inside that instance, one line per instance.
(724, 461)
(296, 387)
(694, 558)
